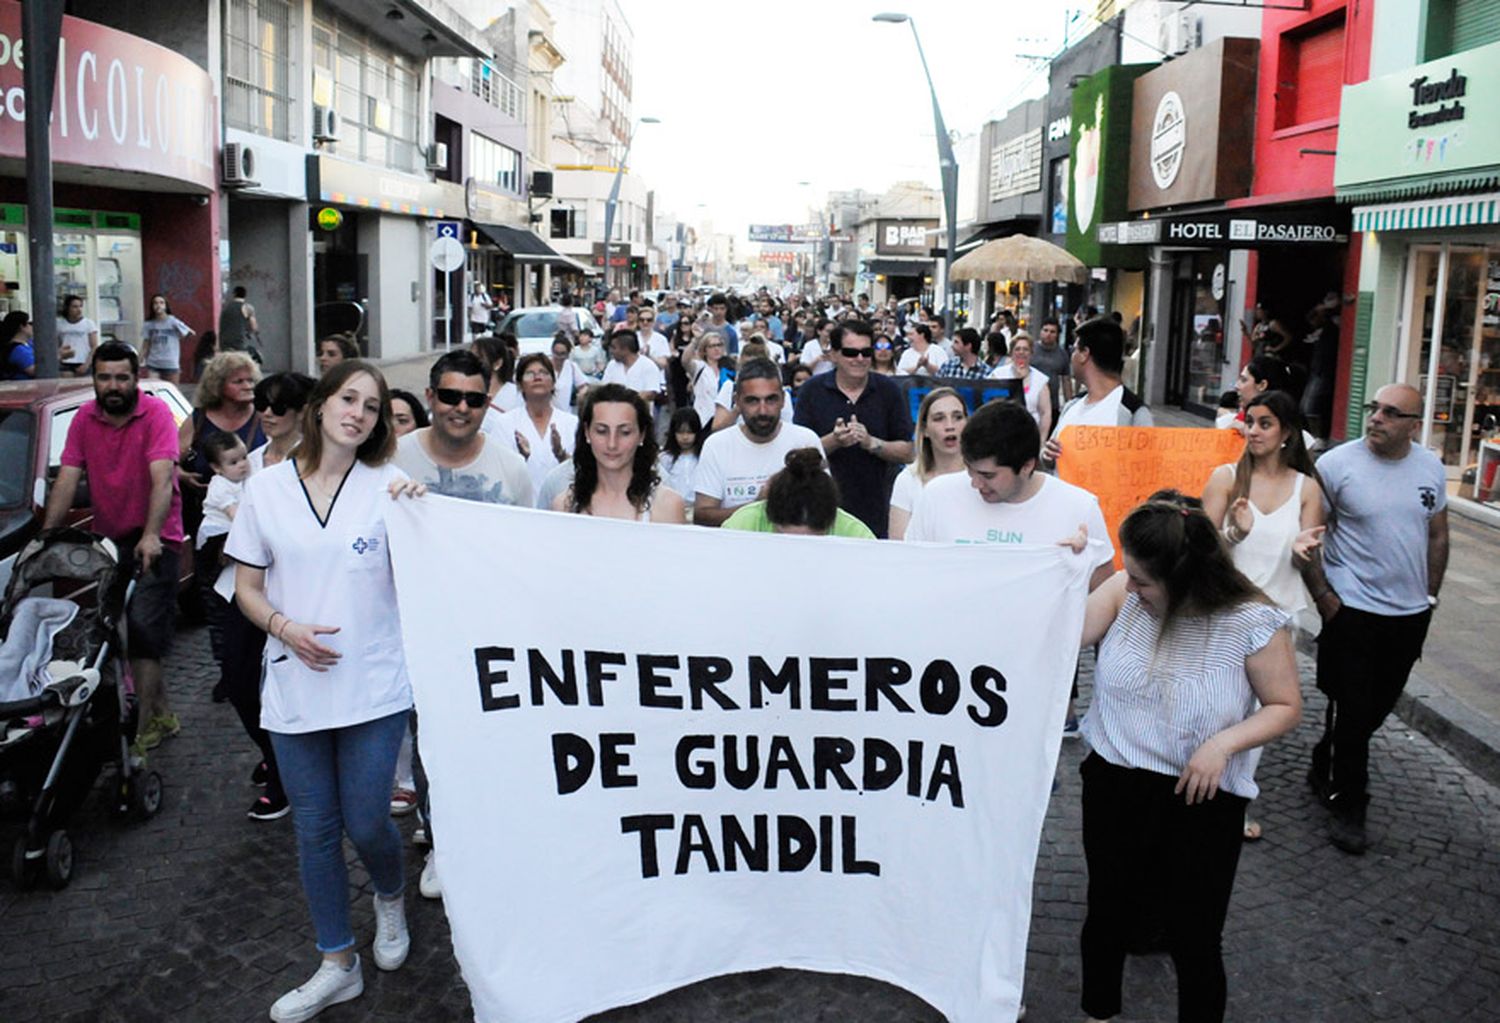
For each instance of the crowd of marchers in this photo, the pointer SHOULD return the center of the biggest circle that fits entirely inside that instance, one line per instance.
(775, 414)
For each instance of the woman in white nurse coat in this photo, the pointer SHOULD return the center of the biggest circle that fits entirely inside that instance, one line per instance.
(314, 573)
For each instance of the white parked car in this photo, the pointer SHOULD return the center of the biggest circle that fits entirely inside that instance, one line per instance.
(535, 326)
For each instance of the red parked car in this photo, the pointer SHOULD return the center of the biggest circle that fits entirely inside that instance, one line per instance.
(34, 418)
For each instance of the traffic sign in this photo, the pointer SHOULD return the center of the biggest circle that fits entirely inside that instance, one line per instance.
(446, 253)
(448, 229)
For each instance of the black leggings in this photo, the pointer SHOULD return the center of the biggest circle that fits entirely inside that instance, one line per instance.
(1151, 856)
(243, 646)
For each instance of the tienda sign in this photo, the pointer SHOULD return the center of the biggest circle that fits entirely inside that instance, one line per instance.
(121, 103)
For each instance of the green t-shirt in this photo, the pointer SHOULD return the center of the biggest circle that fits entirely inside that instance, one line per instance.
(752, 519)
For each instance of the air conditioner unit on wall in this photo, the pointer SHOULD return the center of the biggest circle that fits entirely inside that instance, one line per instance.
(239, 165)
(437, 156)
(325, 125)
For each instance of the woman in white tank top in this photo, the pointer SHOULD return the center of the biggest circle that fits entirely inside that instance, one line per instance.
(1263, 502)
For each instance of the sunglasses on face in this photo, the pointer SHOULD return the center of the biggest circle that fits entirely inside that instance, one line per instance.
(453, 396)
(1374, 408)
(858, 353)
(277, 408)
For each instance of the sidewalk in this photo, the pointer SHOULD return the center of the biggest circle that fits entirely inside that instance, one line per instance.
(1453, 696)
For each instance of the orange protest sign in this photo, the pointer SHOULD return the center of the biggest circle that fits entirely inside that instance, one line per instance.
(1124, 465)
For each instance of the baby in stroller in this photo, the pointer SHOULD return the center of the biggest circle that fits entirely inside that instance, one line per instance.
(65, 706)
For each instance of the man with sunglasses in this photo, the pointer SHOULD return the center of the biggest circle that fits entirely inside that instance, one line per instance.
(452, 456)
(864, 422)
(1374, 575)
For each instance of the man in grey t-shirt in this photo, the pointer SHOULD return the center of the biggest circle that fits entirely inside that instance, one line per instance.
(1375, 577)
(454, 458)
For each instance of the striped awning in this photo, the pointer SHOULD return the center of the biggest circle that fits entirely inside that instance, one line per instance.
(1456, 211)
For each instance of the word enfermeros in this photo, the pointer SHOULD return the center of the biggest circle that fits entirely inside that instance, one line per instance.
(507, 679)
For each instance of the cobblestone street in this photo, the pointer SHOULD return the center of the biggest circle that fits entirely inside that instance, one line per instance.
(197, 914)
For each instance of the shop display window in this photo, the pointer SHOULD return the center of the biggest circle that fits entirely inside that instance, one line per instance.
(96, 256)
(1465, 413)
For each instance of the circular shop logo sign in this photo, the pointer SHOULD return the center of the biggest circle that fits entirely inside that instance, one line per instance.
(1168, 140)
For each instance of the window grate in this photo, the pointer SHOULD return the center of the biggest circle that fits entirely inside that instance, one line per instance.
(258, 44)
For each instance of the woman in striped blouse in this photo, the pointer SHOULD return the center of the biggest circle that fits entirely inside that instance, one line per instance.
(1194, 674)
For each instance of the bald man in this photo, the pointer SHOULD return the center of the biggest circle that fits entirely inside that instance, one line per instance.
(1374, 575)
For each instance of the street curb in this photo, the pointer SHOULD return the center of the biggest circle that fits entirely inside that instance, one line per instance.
(1453, 725)
(1474, 511)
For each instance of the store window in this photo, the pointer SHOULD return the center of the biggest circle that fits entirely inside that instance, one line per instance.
(96, 256)
(373, 88)
(259, 49)
(494, 163)
(1466, 407)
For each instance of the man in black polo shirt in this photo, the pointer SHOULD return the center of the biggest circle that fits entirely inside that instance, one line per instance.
(863, 421)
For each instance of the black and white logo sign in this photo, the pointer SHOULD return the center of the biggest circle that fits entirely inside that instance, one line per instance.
(1168, 140)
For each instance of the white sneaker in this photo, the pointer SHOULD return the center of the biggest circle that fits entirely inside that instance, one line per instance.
(429, 885)
(329, 986)
(391, 940)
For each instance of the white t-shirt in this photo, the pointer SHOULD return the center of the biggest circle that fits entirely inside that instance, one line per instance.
(1104, 412)
(911, 359)
(645, 375)
(813, 357)
(337, 574)
(704, 384)
(569, 379)
(725, 399)
(497, 475)
(222, 495)
(656, 346)
(1036, 383)
(950, 510)
(480, 305)
(677, 472)
(906, 489)
(733, 468)
(74, 338)
(542, 460)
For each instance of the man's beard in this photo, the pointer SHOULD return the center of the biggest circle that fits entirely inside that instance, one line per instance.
(762, 426)
(119, 404)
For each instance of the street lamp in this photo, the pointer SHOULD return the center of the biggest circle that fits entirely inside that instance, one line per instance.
(614, 196)
(947, 165)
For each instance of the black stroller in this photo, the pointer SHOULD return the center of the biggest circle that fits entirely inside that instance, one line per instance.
(78, 717)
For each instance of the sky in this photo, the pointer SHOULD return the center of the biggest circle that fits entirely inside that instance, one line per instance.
(756, 97)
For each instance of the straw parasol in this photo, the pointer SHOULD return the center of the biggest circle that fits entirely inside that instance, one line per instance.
(1020, 258)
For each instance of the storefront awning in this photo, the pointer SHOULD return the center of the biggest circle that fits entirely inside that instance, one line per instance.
(526, 247)
(1456, 211)
(899, 267)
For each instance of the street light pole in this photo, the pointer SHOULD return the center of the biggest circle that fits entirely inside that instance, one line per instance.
(947, 166)
(614, 197)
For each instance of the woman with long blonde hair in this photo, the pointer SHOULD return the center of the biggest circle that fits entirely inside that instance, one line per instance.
(940, 422)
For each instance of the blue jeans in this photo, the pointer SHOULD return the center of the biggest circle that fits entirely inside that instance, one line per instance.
(339, 782)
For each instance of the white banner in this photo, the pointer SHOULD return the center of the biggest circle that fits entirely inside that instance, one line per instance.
(659, 754)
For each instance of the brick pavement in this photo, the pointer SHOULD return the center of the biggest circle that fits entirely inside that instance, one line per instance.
(196, 915)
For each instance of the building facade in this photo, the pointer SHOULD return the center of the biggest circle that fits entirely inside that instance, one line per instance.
(1419, 167)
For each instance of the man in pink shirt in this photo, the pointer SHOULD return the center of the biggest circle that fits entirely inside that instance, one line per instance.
(127, 443)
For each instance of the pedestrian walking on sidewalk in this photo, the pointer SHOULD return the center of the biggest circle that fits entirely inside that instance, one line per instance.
(315, 575)
(1374, 576)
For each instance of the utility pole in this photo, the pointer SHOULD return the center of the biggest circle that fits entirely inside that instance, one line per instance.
(41, 28)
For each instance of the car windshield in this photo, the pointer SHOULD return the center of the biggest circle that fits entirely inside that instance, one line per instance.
(537, 324)
(16, 427)
(543, 322)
